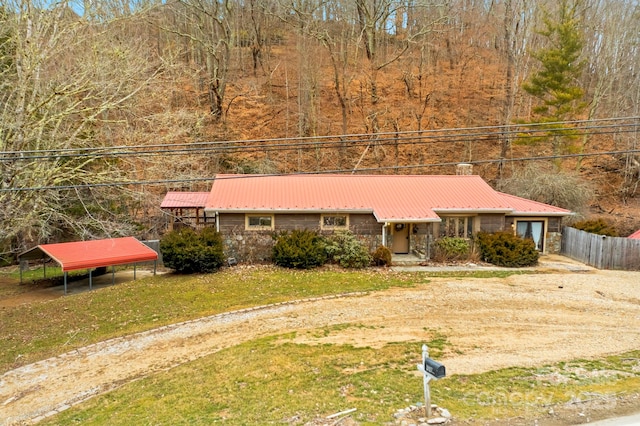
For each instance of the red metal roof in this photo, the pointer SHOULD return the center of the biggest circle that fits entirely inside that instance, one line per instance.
(391, 198)
(93, 254)
(524, 206)
(635, 235)
(177, 199)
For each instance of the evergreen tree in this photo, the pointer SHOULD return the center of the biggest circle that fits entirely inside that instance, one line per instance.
(556, 83)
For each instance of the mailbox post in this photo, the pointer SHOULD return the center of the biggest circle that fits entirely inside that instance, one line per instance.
(430, 369)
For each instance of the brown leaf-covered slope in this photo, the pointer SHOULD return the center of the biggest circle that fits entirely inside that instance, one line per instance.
(294, 95)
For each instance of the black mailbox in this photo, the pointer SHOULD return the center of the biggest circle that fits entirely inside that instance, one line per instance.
(434, 368)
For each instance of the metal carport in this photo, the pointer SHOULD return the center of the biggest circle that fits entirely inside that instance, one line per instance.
(92, 254)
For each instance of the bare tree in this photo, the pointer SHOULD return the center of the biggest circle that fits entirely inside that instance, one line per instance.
(207, 25)
(65, 86)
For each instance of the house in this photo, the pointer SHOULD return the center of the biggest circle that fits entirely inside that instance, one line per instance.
(635, 235)
(406, 213)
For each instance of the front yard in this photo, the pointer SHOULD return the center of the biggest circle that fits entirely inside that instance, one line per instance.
(515, 346)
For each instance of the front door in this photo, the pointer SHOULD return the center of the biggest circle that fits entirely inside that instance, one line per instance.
(400, 243)
(533, 230)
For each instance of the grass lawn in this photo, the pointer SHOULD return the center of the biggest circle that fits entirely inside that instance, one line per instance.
(274, 380)
(39, 330)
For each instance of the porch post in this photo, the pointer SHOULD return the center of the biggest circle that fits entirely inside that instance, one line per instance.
(384, 234)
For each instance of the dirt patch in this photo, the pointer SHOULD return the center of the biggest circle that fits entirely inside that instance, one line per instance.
(522, 320)
(48, 290)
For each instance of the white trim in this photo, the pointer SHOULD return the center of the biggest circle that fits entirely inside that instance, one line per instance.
(247, 227)
(538, 214)
(289, 211)
(334, 228)
(545, 231)
(470, 212)
(468, 218)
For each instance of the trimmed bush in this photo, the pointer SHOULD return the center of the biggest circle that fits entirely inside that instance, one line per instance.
(597, 226)
(187, 251)
(506, 249)
(452, 248)
(300, 249)
(382, 256)
(346, 250)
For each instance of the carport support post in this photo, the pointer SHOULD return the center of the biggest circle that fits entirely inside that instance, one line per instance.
(134, 271)
(65, 282)
(113, 274)
(90, 279)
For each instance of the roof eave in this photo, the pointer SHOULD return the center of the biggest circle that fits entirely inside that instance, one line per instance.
(541, 214)
(472, 211)
(287, 211)
(409, 220)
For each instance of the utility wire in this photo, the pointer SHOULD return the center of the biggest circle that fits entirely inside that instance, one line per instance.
(400, 141)
(337, 171)
(520, 131)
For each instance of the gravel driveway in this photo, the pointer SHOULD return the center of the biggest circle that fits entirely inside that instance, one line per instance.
(524, 320)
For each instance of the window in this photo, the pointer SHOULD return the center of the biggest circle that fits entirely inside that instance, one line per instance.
(334, 221)
(461, 227)
(532, 230)
(259, 222)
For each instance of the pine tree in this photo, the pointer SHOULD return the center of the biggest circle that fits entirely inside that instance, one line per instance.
(556, 83)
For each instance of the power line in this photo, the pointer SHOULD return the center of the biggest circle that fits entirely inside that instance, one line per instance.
(337, 171)
(386, 138)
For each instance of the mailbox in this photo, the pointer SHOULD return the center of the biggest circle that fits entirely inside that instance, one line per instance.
(434, 368)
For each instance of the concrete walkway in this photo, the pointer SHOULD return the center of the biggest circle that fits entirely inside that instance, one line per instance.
(550, 262)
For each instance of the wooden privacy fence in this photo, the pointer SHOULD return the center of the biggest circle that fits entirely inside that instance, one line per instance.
(600, 251)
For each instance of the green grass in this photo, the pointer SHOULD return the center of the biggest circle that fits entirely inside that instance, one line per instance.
(32, 279)
(266, 381)
(39, 330)
(530, 392)
(32, 332)
(274, 381)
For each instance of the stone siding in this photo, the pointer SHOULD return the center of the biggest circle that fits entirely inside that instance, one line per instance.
(256, 246)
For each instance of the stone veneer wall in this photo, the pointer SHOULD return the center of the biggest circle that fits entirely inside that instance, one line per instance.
(554, 243)
(256, 246)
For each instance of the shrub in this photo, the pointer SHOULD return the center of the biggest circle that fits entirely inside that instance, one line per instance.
(506, 249)
(452, 248)
(382, 256)
(597, 226)
(548, 185)
(301, 249)
(345, 249)
(187, 251)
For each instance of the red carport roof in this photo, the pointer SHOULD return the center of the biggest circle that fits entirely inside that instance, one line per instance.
(635, 235)
(93, 254)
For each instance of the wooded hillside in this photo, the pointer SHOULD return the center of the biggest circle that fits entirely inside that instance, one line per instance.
(104, 106)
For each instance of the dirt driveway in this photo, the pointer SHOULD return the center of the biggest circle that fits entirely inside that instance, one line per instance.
(574, 312)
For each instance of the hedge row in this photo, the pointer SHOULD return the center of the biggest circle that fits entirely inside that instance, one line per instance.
(188, 251)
